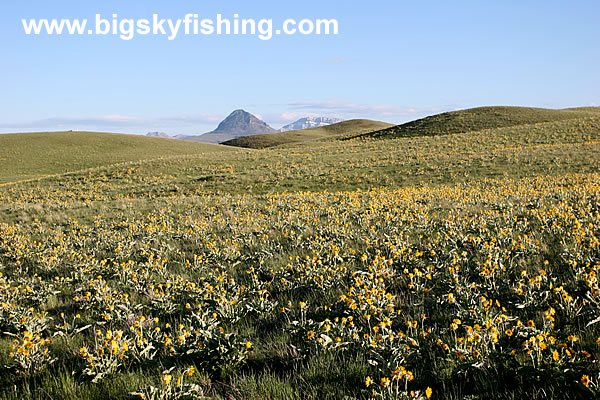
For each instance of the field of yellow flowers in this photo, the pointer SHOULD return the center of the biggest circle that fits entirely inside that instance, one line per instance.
(157, 280)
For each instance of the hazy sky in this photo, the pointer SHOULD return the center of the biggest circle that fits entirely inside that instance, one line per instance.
(392, 61)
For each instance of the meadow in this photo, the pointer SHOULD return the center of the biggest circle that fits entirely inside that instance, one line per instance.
(27, 156)
(461, 265)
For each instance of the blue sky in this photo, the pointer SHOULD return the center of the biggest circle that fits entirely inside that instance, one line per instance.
(392, 60)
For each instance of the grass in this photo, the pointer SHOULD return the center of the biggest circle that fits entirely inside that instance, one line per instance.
(588, 109)
(551, 148)
(477, 119)
(351, 127)
(297, 238)
(32, 155)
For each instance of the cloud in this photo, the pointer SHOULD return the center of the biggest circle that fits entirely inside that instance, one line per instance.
(103, 120)
(294, 115)
(283, 114)
(195, 124)
(345, 109)
(117, 122)
(192, 119)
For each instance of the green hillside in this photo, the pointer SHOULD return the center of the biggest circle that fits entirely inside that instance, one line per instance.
(587, 109)
(557, 147)
(31, 155)
(476, 119)
(351, 127)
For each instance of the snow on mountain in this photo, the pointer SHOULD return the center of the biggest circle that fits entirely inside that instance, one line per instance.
(310, 122)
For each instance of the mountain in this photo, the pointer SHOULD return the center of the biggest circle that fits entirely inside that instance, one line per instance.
(158, 134)
(310, 122)
(339, 130)
(238, 123)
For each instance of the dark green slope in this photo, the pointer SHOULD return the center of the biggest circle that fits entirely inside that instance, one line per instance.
(475, 119)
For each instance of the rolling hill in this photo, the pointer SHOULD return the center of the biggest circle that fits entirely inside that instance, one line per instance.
(476, 119)
(587, 109)
(351, 127)
(543, 149)
(31, 155)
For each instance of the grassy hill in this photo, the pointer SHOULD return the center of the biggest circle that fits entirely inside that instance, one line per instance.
(476, 119)
(351, 127)
(587, 109)
(557, 147)
(31, 155)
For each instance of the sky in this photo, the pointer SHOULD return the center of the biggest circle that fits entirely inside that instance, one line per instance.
(392, 60)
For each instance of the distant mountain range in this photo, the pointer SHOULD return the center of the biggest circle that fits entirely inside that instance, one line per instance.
(310, 122)
(241, 123)
(158, 134)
